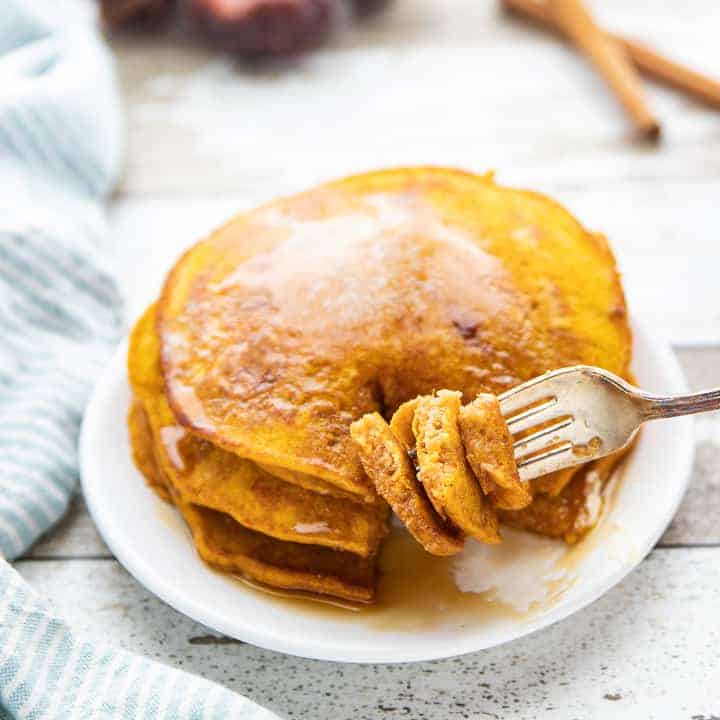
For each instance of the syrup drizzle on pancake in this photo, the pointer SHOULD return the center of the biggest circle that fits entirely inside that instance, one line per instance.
(294, 319)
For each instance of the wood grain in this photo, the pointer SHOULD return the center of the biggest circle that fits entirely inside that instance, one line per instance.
(75, 537)
(490, 92)
(696, 522)
(646, 649)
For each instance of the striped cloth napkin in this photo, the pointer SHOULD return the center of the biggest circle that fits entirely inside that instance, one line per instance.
(60, 316)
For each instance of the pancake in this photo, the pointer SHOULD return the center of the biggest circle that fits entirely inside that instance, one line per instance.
(388, 465)
(555, 482)
(575, 510)
(230, 547)
(227, 546)
(489, 452)
(205, 475)
(315, 484)
(218, 480)
(401, 424)
(143, 452)
(453, 490)
(295, 319)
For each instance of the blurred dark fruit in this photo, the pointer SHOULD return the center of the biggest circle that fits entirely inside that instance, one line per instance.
(117, 14)
(252, 27)
(368, 7)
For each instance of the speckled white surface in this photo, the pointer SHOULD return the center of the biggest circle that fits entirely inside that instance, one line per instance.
(647, 649)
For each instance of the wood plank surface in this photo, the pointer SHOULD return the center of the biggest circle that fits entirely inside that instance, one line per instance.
(452, 83)
(696, 522)
(647, 649)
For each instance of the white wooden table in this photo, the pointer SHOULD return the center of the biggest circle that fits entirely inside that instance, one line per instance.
(442, 82)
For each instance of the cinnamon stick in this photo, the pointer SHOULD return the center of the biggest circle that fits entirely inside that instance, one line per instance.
(609, 59)
(674, 74)
(646, 59)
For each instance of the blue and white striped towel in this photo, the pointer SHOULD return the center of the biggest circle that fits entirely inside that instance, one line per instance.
(59, 319)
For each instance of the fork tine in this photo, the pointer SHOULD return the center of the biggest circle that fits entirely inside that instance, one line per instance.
(553, 459)
(517, 399)
(534, 416)
(571, 416)
(543, 437)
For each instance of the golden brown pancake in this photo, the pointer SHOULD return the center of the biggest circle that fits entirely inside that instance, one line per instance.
(573, 512)
(228, 546)
(143, 452)
(555, 482)
(387, 464)
(489, 452)
(315, 484)
(401, 424)
(295, 319)
(453, 490)
(221, 481)
(205, 475)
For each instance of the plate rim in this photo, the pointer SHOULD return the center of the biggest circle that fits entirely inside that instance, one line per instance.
(153, 581)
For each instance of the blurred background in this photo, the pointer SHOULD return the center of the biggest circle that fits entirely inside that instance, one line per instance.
(457, 82)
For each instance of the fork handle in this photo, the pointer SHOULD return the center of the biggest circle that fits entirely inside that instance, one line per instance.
(656, 406)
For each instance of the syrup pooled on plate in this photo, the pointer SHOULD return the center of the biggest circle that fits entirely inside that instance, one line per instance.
(418, 591)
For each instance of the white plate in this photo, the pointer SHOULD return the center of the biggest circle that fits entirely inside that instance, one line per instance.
(152, 544)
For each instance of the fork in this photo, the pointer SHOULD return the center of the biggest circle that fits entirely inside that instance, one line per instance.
(576, 414)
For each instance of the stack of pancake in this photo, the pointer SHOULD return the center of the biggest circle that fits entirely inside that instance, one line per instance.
(291, 322)
(243, 518)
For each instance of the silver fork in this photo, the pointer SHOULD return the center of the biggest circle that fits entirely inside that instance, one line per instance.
(580, 413)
